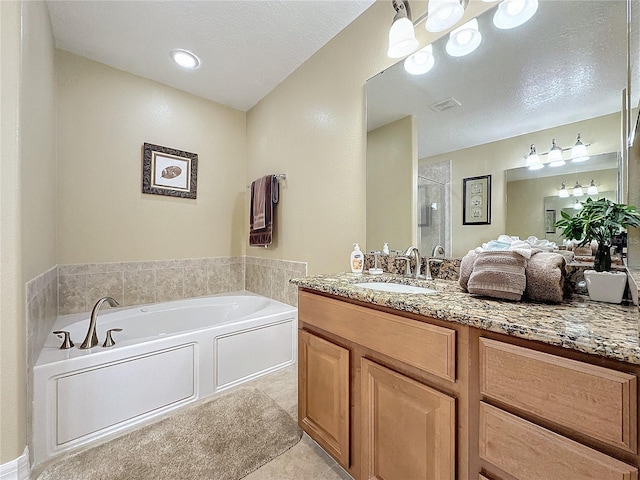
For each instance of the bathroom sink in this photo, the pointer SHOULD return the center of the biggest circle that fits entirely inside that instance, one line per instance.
(394, 287)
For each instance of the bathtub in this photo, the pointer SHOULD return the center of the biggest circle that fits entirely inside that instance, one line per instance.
(167, 356)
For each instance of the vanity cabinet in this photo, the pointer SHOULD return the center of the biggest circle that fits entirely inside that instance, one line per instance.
(380, 391)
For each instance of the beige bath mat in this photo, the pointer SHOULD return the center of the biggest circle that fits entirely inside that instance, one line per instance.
(223, 439)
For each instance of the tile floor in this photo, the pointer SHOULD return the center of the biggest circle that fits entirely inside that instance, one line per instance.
(306, 460)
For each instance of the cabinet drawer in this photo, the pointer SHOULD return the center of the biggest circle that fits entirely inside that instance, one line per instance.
(530, 452)
(591, 400)
(427, 347)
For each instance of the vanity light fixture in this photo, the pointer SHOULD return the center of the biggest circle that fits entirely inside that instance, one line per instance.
(185, 59)
(533, 160)
(420, 62)
(593, 188)
(513, 13)
(443, 14)
(555, 155)
(563, 192)
(464, 40)
(402, 37)
(579, 151)
(577, 190)
(577, 205)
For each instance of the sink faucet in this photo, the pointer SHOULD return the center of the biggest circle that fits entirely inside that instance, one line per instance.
(437, 250)
(91, 340)
(414, 250)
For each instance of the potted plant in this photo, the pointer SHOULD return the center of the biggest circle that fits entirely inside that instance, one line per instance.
(600, 220)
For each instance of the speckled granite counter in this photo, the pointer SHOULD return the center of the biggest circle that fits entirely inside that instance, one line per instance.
(592, 327)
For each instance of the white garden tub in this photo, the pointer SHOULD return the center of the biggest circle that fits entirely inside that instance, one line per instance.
(167, 355)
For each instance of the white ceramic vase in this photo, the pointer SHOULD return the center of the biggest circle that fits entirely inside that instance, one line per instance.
(605, 286)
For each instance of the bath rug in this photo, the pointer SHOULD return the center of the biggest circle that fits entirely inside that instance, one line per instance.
(223, 439)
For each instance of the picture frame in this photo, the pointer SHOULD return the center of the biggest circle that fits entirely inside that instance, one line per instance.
(168, 171)
(549, 221)
(476, 200)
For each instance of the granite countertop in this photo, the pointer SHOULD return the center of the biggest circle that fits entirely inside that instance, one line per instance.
(603, 329)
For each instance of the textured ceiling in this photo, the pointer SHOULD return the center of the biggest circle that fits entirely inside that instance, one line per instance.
(567, 64)
(246, 47)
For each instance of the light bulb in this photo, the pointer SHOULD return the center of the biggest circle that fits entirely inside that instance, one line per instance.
(577, 190)
(420, 62)
(533, 160)
(555, 155)
(185, 59)
(402, 38)
(579, 151)
(513, 13)
(464, 40)
(563, 192)
(443, 14)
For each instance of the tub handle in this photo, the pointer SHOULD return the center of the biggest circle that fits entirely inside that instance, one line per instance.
(108, 342)
(66, 342)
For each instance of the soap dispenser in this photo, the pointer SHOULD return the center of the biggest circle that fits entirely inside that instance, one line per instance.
(385, 249)
(357, 259)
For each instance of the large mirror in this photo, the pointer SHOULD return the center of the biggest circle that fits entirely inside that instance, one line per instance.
(559, 75)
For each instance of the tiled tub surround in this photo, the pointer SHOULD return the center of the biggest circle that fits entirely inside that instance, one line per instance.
(138, 283)
(42, 311)
(591, 327)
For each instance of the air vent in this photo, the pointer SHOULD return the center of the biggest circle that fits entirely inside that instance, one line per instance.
(446, 104)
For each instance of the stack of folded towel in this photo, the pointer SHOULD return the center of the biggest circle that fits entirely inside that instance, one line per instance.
(507, 268)
(499, 274)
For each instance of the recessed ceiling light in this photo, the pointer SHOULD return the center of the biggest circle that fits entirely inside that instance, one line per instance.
(185, 59)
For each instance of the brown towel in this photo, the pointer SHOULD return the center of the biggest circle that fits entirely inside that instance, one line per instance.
(264, 195)
(466, 267)
(545, 277)
(499, 274)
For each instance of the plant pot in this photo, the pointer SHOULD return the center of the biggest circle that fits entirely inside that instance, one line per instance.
(605, 286)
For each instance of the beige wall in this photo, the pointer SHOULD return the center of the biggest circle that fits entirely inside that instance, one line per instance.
(28, 199)
(526, 205)
(313, 128)
(494, 158)
(104, 117)
(392, 165)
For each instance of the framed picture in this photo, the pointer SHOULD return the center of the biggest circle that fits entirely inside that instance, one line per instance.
(167, 171)
(476, 200)
(549, 221)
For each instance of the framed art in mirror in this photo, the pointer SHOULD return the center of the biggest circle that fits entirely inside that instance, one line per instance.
(167, 171)
(476, 200)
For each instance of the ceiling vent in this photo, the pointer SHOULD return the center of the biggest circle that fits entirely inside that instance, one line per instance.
(446, 104)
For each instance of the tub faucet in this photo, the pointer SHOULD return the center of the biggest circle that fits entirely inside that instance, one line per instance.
(414, 250)
(91, 340)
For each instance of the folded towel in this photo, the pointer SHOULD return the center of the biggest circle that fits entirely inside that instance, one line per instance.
(466, 267)
(499, 274)
(545, 273)
(264, 195)
(518, 246)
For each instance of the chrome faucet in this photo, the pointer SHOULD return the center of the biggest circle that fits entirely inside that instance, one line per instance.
(437, 250)
(91, 340)
(414, 250)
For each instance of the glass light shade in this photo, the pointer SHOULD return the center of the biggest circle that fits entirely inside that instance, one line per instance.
(593, 188)
(185, 59)
(420, 62)
(555, 155)
(533, 160)
(577, 205)
(563, 192)
(579, 151)
(577, 190)
(513, 13)
(464, 40)
(443, 14)
(402, 38)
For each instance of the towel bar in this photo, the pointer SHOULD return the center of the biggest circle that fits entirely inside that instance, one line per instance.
(279, 176)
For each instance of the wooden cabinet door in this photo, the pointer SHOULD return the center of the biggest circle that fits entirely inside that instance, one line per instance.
(408, 429)
(323, 394)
